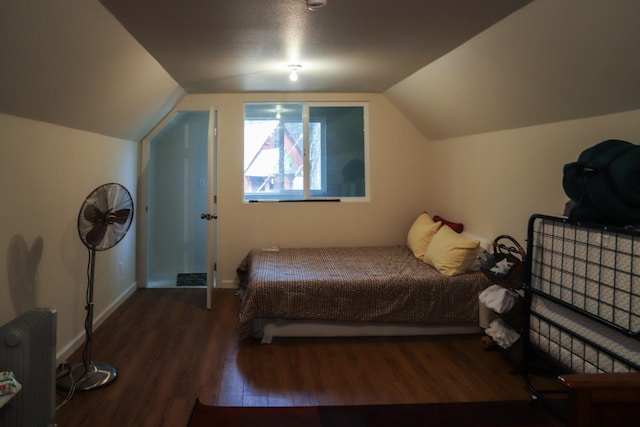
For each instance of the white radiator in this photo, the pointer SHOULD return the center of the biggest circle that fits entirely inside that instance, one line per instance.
(27, 348)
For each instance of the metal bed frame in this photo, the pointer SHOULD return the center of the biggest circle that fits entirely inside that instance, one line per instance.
(589, 276)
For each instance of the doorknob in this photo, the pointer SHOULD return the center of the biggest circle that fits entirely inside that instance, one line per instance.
(209, 216)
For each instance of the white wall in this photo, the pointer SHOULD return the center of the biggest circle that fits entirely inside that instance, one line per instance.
(397, 189)
(46, 172)
(494, 181)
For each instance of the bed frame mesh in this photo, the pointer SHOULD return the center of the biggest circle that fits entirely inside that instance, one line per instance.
(590, 277)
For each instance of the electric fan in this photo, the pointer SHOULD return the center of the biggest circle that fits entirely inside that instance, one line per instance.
(104, 219)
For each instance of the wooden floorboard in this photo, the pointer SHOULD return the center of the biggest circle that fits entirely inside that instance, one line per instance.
(169, 351)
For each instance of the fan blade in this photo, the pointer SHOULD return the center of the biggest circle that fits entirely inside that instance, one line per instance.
(93, 214)
(120, 216)
(102, 198)
(96, 234)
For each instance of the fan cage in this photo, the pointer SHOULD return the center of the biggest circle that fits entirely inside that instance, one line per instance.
(110, 197)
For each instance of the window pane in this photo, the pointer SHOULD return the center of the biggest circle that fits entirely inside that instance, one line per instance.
(274, 147)
(337, 151)
(273, 152)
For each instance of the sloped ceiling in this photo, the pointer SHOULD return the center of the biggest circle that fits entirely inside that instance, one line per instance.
(219, 46)
(550, 61)
(69, 62)
(459, 67)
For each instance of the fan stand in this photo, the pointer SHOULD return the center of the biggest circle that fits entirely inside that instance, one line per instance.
(88, 375)
(104, 218)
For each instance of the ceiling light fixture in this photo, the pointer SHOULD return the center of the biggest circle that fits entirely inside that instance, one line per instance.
(293, 76)
(315, 4)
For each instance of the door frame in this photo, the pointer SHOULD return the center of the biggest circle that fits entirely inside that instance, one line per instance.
(142, 223)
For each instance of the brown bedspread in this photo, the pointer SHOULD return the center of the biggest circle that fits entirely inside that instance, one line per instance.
(367, 284)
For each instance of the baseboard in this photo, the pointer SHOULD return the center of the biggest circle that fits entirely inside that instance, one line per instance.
(228, 284)
(66, 351)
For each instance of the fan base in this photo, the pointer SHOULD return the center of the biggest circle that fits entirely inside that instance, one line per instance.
(99, 375)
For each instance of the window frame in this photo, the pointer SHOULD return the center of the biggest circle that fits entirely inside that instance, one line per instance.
(307, 193)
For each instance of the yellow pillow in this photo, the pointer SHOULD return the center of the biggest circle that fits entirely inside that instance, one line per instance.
(451, 253)
(421, 233)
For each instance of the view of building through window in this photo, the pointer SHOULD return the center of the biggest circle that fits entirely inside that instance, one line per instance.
(275, 147)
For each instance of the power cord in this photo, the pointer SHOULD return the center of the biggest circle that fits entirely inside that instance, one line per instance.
(64, 370)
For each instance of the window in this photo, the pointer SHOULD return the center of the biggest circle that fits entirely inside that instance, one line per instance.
(305, 151)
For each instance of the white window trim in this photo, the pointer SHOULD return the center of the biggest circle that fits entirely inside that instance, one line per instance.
(306, 105)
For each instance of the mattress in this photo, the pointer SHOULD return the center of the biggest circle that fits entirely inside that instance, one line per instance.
(578, 343)
(377, 285)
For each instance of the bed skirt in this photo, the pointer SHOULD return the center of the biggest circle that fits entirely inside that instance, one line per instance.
(266, 330)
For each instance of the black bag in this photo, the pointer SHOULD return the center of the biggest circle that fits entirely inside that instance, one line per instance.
(605, 184)
(507, 248)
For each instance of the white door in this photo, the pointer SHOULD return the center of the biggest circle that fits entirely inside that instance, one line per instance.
(178, 186)
(212, 203)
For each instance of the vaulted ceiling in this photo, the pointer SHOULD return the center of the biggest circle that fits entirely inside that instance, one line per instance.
(454, 68)
(225, 46)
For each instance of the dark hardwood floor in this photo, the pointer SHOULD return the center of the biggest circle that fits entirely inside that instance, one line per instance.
(170, 350)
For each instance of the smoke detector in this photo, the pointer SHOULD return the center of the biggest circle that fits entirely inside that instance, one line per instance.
(315, 4)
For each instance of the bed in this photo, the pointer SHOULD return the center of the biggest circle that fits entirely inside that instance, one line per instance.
(582, 292)
(353, 291)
